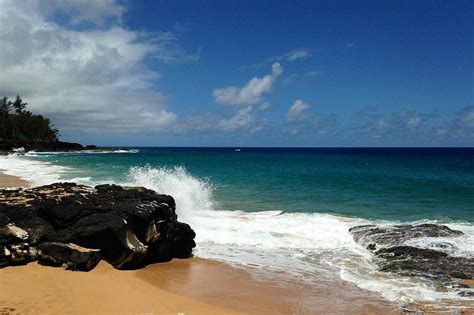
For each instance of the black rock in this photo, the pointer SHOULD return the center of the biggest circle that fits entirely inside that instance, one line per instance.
(69, 256)
(388, 243)
(131, 226)
(413, 261)
(377, 236)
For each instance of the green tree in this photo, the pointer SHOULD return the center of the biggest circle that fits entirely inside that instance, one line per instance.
(22, 125)
(18, 105)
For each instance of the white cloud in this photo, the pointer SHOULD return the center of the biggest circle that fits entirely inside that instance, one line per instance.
(242, 118)
(293, 55)
(91, 79)
(297, 111)
(298, 54)
(265, 106)
(251, 93)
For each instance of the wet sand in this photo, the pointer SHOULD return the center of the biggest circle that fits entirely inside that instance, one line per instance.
(36, 289)
(255, 291)
(11, 181)
(191, 286)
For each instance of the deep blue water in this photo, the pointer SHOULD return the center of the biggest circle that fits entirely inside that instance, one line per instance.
(403, 184)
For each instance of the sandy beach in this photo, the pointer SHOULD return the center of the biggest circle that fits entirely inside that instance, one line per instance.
(11, 181)
(192, 286)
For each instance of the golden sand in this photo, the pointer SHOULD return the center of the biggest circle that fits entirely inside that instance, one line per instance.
(191, 286)
(11, 181)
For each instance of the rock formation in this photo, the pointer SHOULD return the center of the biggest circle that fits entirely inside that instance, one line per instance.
(76, 226)
(389, 245)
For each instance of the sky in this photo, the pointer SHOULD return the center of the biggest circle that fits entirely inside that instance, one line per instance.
(244, 73)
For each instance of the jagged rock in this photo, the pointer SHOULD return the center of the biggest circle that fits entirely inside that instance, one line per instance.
(392, 254)
(70, 256)
(176, 240)
(132, 226)
(385, 236)
(413, 261)
(14, 247)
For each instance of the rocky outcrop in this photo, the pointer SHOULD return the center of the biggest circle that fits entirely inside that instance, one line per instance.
(372, 236)
(392, 254)
(75, 226)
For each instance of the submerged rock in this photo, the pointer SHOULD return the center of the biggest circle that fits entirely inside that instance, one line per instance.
(392, 254)
(413, 261)
(130, 226)
(383, 236)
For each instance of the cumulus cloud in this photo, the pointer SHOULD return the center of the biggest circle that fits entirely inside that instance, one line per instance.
(85, 79)
(368, 121)
(242, 118)
(461, 126)
(297, 111)
(412, 125)
(251, 93)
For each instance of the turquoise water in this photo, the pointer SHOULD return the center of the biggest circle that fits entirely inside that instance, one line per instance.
(388, 184)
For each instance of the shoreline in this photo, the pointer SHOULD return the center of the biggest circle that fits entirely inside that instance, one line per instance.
(194, 285)
(7, 181)
(188, 286)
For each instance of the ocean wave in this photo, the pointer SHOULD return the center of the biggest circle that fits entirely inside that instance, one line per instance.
(297, 244)
(294, 244)
(35, 172)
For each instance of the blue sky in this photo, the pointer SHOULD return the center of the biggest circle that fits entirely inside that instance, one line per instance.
(245, 73)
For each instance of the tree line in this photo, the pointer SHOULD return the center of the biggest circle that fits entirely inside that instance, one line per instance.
(20, 125)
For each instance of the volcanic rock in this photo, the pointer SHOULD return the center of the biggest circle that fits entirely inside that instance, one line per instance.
(129, 226)
(393, 254)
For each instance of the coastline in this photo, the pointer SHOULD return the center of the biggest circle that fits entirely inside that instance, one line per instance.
(194, 285)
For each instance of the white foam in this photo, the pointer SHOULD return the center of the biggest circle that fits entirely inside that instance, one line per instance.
(189, 192)
(36, 172)
(461, 246)
(92, 151)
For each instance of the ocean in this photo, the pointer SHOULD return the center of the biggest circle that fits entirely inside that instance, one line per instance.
(289, 209)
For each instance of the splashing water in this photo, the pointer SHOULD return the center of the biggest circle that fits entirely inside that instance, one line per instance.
(190, 193)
